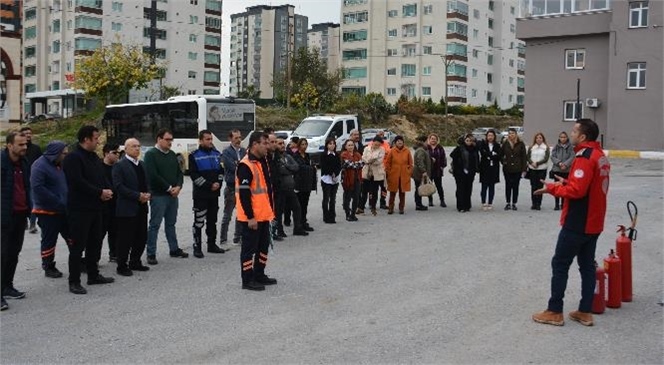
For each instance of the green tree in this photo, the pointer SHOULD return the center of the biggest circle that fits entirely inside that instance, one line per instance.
(112, 71)
(251, 92)
(377, 107)
(168, 91)
(308, 68)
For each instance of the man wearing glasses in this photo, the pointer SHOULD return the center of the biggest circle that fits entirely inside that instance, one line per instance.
(165, 182)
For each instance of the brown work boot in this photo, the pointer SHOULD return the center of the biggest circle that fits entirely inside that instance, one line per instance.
(585, 319)
(549, 317)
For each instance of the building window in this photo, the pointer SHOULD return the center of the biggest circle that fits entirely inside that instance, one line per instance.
(575, 59)
(116, 6)
(455, 6)
(56, 47)
(211, 40)
(56, 85)
(636, 75)
(570, 108)
(354, 2)
(117, 27)
(354, 36)
(476, 14)
(490, 23)
(426, 91)
(476, 33)
(409, 30)
(512, 10)
(213, 5)
(393, 13)
(358, 17)
(392, 33)
(210, 92)
(458, 28)
(511, 63)
(97, 4)
(456, 70)
(427, 29)
(489, 59)
(491, 3)
(520, 82)
(489, 78)
(30, 51)
(391, 91)
(427, 50)
(476, 53)
(473, 93)
(30, 32)
(30, 88)
(213, 22)
(192, 74)
(489, 96)
(56, 26)
(392, 52)
(211, 76)
(87, 22)
(193, 56)
(409, 10)
(490, 41)
(159, 33)
(512, 28)
(392, 71)
(86, 44)
(193, 19)
(30, 13)
(638, 14)
(193, 2)
(457, 49)
(473, 72)
(357, 54)
(192, 38)
(408, 70)
(30, 71)
(191, 92)
(355, 73)
(519, 100)
(511, 80)
(426, 70)
(428, 9)
(212, 58)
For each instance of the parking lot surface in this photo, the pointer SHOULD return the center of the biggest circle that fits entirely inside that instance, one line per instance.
(426, 287)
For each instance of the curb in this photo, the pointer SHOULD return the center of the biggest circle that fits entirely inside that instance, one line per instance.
(648, 155)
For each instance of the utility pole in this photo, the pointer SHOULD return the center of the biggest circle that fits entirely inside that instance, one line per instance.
(291, 30)
(447, 62)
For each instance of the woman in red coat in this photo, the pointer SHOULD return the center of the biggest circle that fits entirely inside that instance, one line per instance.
(351, 179)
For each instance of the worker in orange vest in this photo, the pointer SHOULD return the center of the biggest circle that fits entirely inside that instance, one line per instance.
(255, 209)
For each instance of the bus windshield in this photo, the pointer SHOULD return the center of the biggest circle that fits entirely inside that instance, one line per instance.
(312, 128)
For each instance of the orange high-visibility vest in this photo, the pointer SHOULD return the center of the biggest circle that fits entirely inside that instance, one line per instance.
(260, 200)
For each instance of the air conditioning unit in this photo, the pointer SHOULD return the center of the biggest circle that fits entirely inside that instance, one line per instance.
(592, 103)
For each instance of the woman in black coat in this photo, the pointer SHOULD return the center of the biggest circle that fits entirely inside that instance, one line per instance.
(305, 180)
(465, 163)
(330, 170)
(490, 156)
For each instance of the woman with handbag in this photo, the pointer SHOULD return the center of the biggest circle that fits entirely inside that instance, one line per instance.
(373, 172)
(561, 159)
(421, 169)
(305, 180)
(351, 179)
(399, 167)
(438, 164)
(514, 167)
(490, 156)
(538, 159)
(465, 163)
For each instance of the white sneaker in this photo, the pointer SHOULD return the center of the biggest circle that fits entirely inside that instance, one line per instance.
(485, 207)
(490, 207)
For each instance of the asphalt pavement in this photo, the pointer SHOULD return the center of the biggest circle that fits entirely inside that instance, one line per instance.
(426, 287)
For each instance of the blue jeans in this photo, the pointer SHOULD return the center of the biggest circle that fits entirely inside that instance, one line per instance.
(162, 207)
(571, 244)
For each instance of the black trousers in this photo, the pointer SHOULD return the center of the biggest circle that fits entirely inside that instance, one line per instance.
(512, 180)
(418, 198)
(351, 198)
(303, 199)
(253, 255)
(564, 175)
(438, 181)
(329, 201)
(536, 177)
(110, 229)
(371, 188)
(12, 242)
(51, 227)
(85, 234)
(464, 191)
(205, 214)
(132, 235)
(288, 200)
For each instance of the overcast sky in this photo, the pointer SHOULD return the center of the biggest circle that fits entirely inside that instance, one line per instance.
(318, 11)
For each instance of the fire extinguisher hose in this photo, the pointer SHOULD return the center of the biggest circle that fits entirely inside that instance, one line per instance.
(633, 215)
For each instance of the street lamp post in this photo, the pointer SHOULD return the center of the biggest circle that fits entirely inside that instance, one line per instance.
(447, 62)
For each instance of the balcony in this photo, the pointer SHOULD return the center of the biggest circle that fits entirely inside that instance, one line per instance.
(521, 89)
(457, 78)
(459, 36)
(456, 99)
(211, 83)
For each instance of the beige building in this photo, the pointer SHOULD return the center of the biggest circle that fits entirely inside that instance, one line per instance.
(325, 37)
(10, 60)
(401, 47)
(184, 35)
(263, 39)
(614, 48)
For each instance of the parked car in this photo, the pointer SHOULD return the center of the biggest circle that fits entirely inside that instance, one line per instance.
(369, 134)
(480, 133)
(283, 134)
(519, 132)
(45, 116)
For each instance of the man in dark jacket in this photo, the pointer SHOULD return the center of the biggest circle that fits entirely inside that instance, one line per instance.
(274, 178)
(32, 154)
(206, 174)
(286, 168)
(111, 153)
(49, 188)
(87, 191)
(130, 181)
(229, 160)
(15, 210)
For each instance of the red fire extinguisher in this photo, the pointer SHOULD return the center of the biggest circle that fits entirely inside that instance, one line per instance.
(624, 251)
(599, 303)
(612, 266)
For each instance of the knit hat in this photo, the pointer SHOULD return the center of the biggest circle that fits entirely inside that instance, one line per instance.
(54, 149)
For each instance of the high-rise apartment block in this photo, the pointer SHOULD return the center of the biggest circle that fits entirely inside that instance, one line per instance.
(185, 35)
(403, 47)
(325, 37)
(614, 49)
(10, 59)
(263, 40)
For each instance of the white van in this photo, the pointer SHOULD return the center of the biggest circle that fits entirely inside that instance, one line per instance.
(317, 128)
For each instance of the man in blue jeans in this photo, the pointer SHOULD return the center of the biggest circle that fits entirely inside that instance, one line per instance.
(582, 221)
(166, 179)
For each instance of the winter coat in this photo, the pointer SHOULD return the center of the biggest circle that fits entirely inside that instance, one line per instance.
(538, 157)
(48, 181)
(33, 153)
(490, 162)
(7, 186)
(287, 167)
(351, 169)
(373, 159)
(205, 170)
(399, 168)
(514, 157)
(562, 153)
(229, 160)
(465, 160)
(305, 179)
(421, 163)
(438, 160)
(330, 164)
(85, 180)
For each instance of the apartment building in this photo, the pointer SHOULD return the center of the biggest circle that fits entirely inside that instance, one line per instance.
(10, 60)
(614, 49)
(184, 35)
(263, 40)
(404, 47)
(325, 37)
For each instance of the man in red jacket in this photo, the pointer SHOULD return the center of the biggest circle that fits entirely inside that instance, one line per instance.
(582, 221)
